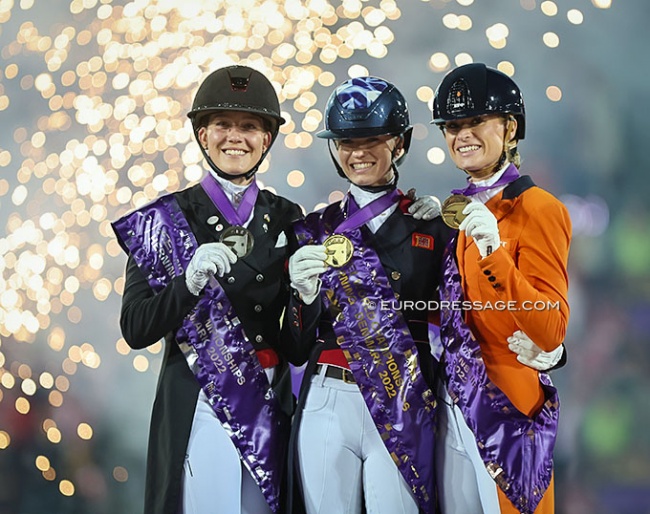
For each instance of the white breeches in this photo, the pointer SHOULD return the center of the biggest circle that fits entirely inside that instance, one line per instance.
(214, 479)
(343, 461)
(464, 485)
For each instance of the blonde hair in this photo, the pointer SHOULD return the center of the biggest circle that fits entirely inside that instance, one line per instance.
(514, 156)
(510, 147)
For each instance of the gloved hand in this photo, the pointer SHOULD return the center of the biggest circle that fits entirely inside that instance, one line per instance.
(481, 225)
(209, 259)
(531, 355)
(305, 266)
(426, 208)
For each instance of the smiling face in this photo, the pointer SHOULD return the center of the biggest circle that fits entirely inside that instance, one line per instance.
(368, 161)
(235, 141)
(476, 144)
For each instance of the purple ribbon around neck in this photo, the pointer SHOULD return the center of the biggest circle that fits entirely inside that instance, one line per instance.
(517, 450)
(361, 215)
(214, 344)
(510, 174)
(237, 216)
(381, 353)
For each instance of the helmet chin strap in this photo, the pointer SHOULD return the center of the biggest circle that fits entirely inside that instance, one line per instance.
(389, 186)
(504, 154)
(227, 176)
(371, 189)
(493, 169)
(338, 167)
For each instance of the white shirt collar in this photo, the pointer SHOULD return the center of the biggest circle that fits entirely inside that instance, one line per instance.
(233, 191)
(484, 196)
(363, 198)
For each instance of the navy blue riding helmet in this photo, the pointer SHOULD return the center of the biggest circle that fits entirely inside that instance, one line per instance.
(365, 107)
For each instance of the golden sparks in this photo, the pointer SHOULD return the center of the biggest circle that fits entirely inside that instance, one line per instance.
(106, 131)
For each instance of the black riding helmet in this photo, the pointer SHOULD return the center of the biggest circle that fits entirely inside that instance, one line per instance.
(474, 90)
(236, 88)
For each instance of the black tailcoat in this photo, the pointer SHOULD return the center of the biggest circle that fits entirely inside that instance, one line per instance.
(258, 291)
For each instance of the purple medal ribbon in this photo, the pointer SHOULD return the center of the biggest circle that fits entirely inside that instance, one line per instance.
(234, 216)
(510, 174)
(381, 353)
(214, 344)
(361, 215)
(517, 450)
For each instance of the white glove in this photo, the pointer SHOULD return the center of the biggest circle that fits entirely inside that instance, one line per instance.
(531, 355)
(208, 260)
(481, 224)
(426, 208)
(305, 266)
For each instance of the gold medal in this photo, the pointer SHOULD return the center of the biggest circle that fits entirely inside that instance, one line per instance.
(238, 239)
(338, 249)
(452, 210)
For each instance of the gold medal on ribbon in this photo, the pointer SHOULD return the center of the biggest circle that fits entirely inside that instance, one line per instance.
(238, 239)
(339, 250)
(452, 210)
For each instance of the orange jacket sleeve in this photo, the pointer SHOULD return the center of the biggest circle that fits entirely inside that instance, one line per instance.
(537, 283)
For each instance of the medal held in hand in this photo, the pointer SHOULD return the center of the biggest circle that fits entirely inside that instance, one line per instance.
(238, 239)
(452, 210)
(339, 250)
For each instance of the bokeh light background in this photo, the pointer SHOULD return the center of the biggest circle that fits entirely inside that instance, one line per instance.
(93, 102)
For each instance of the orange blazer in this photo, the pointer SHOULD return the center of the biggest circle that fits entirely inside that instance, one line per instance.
(522, 285)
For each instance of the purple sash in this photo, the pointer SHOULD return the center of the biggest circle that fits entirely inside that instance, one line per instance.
(381, 353)
(214, 345)
(517, 450)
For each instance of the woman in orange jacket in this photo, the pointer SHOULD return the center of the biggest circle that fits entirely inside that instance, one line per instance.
(508, 280)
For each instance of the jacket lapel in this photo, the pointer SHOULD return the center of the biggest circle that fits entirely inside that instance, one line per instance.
(504, 202)
(389, 239)
(261, 226)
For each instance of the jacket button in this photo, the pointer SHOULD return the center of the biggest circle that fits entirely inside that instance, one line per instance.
(496, 286)
(259, 277)
(258, 338)
(395, 275)
(231, 280)
(487, 272)
(258, 308)
(492, 278)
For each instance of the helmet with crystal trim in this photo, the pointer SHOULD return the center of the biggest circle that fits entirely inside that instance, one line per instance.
(476, 89)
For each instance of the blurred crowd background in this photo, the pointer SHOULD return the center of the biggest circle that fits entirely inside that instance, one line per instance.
(93, 102)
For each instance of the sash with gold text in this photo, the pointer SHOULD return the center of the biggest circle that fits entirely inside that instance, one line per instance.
(214, 344)
(381, 353)
(517, 450)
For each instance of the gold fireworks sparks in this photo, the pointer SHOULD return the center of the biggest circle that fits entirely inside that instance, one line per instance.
(94, 122)
(122, 86)
(101, 102)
